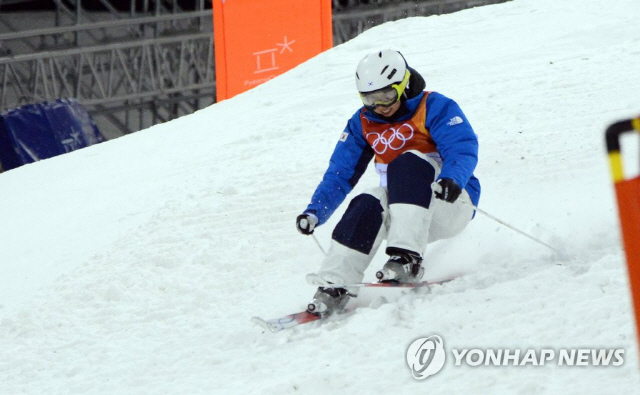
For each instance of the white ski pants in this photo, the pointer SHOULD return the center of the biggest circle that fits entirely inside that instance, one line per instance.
(403, 225)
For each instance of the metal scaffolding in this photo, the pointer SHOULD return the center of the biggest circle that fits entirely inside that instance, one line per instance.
(352, 17)
(152, 62)
(130, 69)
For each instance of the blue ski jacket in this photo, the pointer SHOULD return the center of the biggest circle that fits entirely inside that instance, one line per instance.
(455, 140)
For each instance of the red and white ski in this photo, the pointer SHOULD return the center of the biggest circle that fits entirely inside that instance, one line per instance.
(286, 322)
(289, 321)
(316, 280)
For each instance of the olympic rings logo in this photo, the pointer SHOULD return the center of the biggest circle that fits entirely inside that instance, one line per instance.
(392, 138)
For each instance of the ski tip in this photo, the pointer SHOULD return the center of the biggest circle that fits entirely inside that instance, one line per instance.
(264, 324)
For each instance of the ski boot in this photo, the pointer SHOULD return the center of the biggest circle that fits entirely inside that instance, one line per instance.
(327, 301)
(403, 266)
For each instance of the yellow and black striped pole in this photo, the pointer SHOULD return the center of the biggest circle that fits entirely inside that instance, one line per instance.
(628, 196)
(613, 145)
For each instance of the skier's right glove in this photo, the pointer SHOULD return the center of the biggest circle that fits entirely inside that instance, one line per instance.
(306, 222)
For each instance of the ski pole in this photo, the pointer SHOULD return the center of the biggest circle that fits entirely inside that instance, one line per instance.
(486, 214)
(438, 188)
(318, 243)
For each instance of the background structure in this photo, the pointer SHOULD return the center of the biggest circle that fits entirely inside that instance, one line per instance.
(136, 63)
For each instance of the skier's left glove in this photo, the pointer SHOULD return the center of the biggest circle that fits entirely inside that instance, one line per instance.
(306, 222)
(446, 189)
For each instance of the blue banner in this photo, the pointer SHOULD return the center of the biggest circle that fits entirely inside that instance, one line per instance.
(8, 155)
(39, 131)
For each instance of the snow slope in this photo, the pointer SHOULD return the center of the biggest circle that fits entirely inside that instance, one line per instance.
(133, 267)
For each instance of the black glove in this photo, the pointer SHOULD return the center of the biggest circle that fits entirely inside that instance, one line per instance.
(305, 223)
(449, 190)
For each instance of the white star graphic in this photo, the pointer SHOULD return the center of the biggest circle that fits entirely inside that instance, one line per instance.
(286, 45)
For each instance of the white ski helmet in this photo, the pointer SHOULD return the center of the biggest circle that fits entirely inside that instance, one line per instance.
(379, 70)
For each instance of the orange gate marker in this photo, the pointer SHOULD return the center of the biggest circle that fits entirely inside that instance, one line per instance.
(628, 195)
(257, 40)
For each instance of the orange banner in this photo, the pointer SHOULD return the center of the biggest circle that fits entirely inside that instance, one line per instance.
(256, 41)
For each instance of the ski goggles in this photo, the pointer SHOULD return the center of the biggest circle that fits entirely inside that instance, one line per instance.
(386, 96)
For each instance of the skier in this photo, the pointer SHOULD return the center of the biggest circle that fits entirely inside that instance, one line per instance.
(417, 138)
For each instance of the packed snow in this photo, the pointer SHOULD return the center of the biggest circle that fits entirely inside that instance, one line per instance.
(134, 266)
